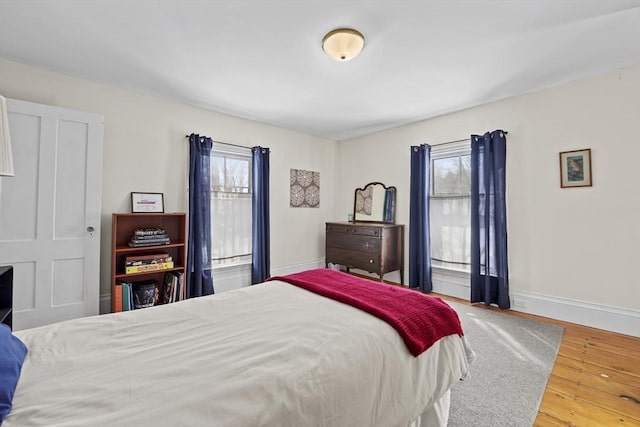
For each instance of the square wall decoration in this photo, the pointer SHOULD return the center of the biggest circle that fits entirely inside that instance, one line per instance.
(305, 189)
(575, 168)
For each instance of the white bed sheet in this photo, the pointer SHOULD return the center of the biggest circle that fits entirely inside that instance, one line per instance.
(268, 355)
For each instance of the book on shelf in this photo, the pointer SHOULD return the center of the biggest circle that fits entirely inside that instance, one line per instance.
(145, 257)
(181, 292)
(148, 267)
(116, 298)
(150, 236)
(183, 289)
(169, 285)
(148, 231)
(149, 261)
(173, 287)
(135, 243)
(126, 296)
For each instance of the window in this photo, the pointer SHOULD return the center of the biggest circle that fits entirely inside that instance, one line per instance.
(230, 205)
(450, 206)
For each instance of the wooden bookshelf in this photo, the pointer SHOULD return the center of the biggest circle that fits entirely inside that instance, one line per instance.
(123, 227)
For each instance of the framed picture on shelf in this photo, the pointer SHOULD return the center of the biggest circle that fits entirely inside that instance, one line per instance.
(147, 202)
(575, 168)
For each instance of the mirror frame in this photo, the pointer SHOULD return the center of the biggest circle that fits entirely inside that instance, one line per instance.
(393, 209)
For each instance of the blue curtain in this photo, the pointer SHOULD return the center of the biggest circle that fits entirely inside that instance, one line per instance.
(419, 236)
(388, 207)
(199, 244)
(260, 253)
(489, 271)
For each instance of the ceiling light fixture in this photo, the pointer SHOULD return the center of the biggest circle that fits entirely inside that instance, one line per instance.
(343, 44)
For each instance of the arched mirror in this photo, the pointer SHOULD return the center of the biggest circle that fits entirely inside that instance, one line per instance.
(375, 202)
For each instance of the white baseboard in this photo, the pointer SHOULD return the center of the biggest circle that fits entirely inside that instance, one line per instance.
(295, 268)
(622, 320)
(451, 286)
(614, 319)
(234, 277)
(105, 303)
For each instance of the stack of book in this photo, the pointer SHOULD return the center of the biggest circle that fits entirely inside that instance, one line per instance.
(174, 289)
(125, 295)
(149, 237)
(144, 263)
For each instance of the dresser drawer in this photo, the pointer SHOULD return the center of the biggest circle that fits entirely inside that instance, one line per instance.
(353, 242)
(353, 230)
(355, 259)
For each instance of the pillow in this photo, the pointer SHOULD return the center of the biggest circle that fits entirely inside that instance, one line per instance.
(12, 354)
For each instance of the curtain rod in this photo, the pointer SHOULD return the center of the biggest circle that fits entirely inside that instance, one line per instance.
(453, 142)
(226, 143)
(467, 139)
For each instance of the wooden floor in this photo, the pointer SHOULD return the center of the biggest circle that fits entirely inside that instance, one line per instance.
(595, 380)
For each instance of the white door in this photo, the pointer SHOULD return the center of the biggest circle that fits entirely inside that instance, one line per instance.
(50, 213)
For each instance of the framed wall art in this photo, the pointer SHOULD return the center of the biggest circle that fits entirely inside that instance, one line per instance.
(575, 168)
(305, 189)
(147, 202)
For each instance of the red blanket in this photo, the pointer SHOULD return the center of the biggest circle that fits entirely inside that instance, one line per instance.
(420, 319)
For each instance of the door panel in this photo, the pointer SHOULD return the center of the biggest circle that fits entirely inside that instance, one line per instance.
(70, 176)
(46, 210)
(20, 224)
(24, 275)
(67, 290)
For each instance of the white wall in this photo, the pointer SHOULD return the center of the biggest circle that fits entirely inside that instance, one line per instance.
(573, 253)
(145, 149)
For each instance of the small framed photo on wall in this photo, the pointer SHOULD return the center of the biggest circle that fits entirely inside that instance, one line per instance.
(147, 202)
(575, 168)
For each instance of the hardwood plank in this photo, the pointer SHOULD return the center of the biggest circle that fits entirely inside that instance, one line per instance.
(613, 386)
(544, 420)
(598, 346)
(585, 366)
(580, 413)
(604, 337)
(580, 391)
(618, 363)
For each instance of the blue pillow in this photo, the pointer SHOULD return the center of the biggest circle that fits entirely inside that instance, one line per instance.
(12, 354)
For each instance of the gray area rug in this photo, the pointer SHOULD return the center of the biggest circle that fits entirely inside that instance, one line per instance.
(514, 358)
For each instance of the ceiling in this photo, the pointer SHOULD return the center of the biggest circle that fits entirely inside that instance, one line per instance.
(262, 60)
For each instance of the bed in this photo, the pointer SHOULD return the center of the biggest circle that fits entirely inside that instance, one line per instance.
(273, 354)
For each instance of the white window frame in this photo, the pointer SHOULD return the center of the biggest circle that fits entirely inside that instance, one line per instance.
(233, 151)
(443, 151)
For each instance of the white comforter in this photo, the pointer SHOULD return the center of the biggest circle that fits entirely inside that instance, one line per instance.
(268, 355)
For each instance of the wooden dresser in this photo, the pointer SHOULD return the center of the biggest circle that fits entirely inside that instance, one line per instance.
(376, 248)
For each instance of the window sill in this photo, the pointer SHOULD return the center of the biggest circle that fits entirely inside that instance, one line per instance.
(232, 266)
(451, 272)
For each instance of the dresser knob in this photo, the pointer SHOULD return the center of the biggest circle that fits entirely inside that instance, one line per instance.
(370, 261)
